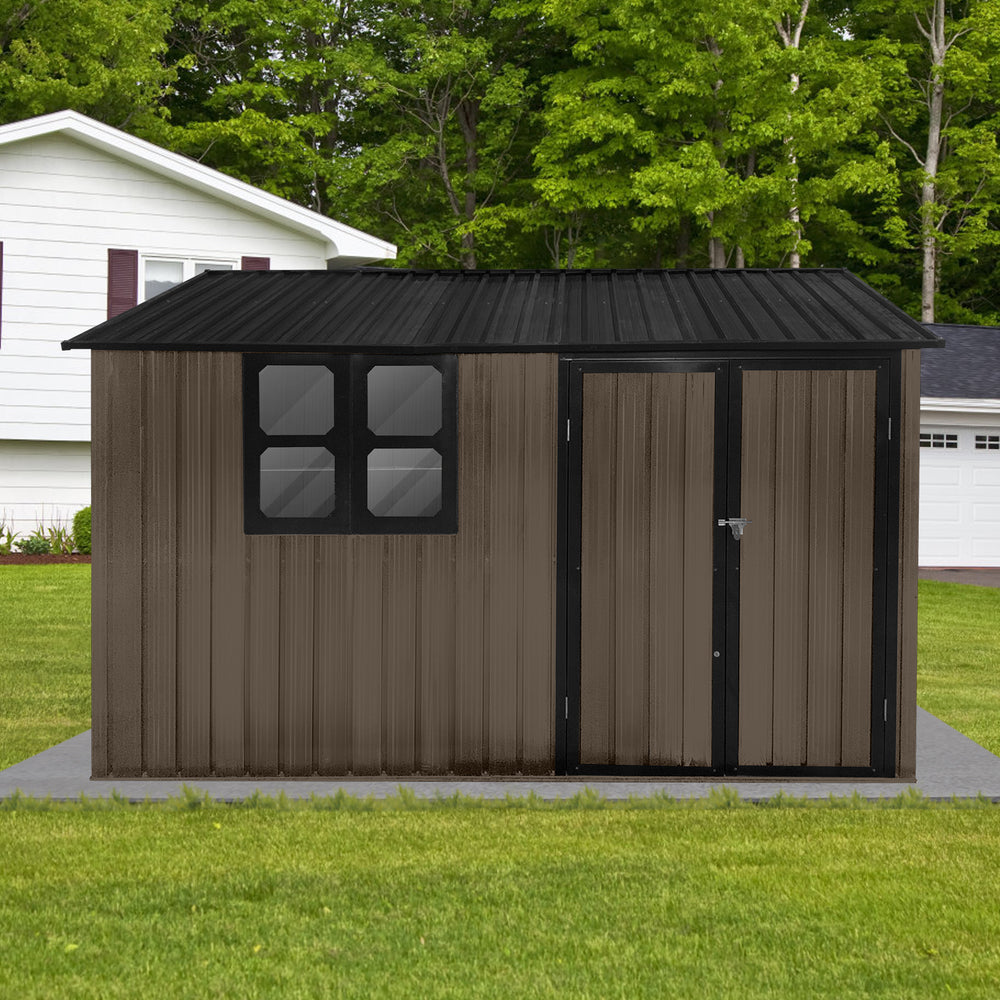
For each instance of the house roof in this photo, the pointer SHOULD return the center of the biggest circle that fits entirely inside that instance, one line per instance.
(389, 309)
(345, 245)
(968, 368)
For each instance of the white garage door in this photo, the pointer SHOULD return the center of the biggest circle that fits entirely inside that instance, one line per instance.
(959, 496)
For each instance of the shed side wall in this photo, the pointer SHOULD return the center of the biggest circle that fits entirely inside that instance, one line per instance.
(317, 654)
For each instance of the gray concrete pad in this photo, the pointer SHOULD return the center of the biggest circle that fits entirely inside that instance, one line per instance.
(948, 765)
(978, 576)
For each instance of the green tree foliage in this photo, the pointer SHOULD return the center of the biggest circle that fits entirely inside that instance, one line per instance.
(267, 90)
(940, 62)
(100, 57)
(415, 120)
(454, 89)
(567, 133)
(726, 122)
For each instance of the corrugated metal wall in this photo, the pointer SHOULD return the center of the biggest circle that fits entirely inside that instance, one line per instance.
(806, 568)
(646, 615)
(217, 652)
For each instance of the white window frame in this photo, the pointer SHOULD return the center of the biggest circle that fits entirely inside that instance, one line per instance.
(188, 265)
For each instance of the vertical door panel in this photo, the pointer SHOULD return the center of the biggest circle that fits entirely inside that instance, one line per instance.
(806, 563)
(598, 576)
(648, 468)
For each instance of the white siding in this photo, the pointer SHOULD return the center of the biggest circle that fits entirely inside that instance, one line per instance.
(62, 206)
(42, 482)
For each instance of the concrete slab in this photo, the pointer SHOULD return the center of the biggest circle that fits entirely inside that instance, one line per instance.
(978, 576)
(948, 765)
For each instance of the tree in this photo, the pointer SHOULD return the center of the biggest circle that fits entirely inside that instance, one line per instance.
(266, 90)
(104, 58)
(453, 97)
(943, 115)
(721, 120)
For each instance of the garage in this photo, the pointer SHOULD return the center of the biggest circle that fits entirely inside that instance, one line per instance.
(960, 449)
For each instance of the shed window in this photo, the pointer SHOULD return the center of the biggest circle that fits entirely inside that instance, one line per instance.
(349, 444)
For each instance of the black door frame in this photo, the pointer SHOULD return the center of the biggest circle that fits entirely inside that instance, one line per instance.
(726, 584)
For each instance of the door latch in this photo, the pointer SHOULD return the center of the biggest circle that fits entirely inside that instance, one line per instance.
(736, 525)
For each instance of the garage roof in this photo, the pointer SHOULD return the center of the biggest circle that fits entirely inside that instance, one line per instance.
(412, 311)
(969, 368)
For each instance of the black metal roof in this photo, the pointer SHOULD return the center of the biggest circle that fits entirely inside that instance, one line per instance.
(376, 309)
(968, 368)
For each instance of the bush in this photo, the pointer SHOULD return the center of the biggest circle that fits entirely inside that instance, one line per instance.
(36, 544)
(81, 530)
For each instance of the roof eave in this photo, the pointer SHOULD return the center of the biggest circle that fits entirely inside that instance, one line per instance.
(342, 242)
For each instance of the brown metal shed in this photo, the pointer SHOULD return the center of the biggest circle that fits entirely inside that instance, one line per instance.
(619, 522)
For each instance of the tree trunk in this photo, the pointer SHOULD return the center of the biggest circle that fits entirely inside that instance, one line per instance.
(683, 247)
(791, 37)
(716, 253)
(928, 189)
(468, 117)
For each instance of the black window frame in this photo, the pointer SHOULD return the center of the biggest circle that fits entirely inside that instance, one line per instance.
(350, 442)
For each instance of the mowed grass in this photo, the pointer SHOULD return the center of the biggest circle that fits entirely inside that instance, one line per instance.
(500, 902)
(44, 657)
(958, 643)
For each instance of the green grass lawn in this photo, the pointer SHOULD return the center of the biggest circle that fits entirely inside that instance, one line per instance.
(44, 657)
(500, 902)
(651, 899)
(958, 652)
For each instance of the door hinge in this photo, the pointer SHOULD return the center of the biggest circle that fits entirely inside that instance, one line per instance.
(567, 428)
(567, 706)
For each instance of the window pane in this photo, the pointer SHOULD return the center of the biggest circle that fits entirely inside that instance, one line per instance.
(296, 399)
(296, 482)
(404, 482)
(404, 399)
(202, 266)
(161, 275)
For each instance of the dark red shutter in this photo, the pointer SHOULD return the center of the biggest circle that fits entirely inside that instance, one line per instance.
(255, 264)
(123, 280)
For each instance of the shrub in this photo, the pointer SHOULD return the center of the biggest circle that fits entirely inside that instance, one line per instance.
(81, 531)
(36, 544)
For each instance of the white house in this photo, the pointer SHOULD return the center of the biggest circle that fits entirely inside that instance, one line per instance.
(960, 448)
(92, 221)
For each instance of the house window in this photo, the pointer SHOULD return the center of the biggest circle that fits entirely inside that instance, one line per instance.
(933, 440)
(357, 444)
(161, 273)
(988, 442)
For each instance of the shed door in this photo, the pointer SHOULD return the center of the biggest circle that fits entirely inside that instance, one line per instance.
(693, 651)
(807, 570)
(649, 688)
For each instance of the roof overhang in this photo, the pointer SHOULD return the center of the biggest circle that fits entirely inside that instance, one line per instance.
(344, 246)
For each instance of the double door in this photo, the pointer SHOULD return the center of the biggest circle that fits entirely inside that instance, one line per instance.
(727, 568)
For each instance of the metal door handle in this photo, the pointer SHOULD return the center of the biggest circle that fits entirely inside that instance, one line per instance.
(736, 524)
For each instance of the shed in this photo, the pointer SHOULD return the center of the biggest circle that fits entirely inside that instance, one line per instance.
(572, 522)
